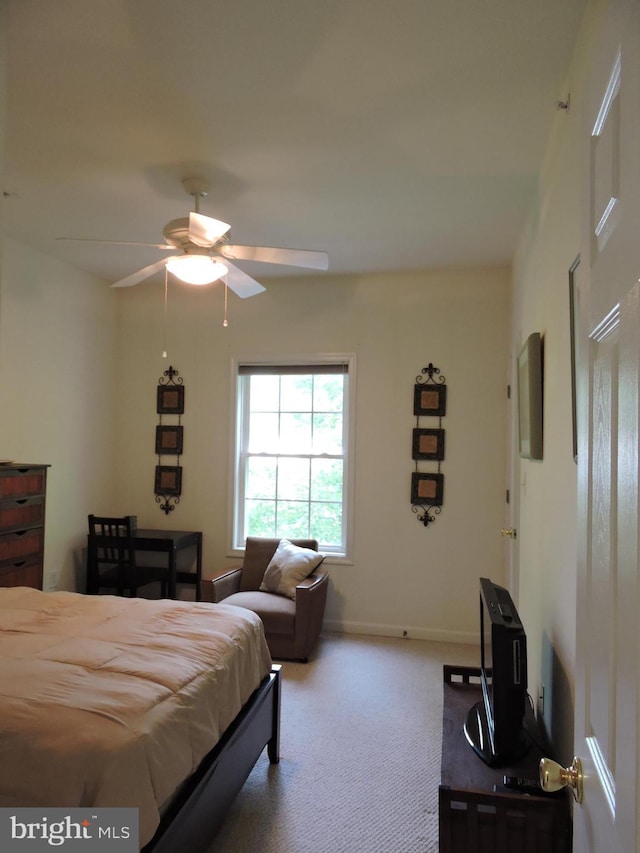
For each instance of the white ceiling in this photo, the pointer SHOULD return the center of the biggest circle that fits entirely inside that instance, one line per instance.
(394, 134)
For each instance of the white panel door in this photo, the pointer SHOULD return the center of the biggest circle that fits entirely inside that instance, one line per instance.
(606, 725)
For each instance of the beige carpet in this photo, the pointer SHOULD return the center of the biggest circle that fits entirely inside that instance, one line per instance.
(360, 753)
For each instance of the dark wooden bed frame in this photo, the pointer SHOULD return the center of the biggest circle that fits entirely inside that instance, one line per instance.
(202, 803)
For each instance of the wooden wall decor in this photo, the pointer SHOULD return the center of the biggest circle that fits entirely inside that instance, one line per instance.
(429, 401)
(169, 440)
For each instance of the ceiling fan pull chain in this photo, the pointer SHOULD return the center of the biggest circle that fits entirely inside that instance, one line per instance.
(226, 293)
(166, 296)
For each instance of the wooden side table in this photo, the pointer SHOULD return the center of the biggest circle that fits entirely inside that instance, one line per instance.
(476, 813)
(170, 542)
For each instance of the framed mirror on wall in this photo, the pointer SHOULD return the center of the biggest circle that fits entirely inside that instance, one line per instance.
(530, 413)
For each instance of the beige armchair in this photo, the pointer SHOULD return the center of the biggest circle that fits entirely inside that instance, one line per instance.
(291, 626)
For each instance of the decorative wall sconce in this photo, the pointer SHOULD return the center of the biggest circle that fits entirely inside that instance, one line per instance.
(169, 440)
(427, 487)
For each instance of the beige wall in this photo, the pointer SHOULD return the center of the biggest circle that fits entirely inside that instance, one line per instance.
(57, 343)
(403, 577)
(547, 549)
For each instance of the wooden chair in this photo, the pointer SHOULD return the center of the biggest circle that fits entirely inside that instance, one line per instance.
(111, 558)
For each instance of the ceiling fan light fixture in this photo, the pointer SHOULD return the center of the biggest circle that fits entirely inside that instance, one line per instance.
(196, 269)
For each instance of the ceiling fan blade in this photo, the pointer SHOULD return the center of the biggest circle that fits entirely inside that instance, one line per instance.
(145, 272)
(114, 242)
(271, 255)
(241, 283)
(205, 231)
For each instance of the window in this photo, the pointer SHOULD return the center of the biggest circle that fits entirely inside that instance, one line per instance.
(292, 460)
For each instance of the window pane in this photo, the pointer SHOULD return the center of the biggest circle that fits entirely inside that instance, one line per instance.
(295, 432)
(265, 393)
(260, 518)
(296, 393)
(293, 479)
(291, 455)
(263, 433)
(326, 522)
(261, 478)
(327, 433)
(293, 519)
(328, 393)
(326, 479)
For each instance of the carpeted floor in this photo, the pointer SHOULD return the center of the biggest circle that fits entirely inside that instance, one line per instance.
(360, 753)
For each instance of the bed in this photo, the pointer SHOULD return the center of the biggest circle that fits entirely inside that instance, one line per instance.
(108, 701)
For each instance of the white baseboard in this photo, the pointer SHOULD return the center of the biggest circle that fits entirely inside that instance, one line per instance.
(377, 630)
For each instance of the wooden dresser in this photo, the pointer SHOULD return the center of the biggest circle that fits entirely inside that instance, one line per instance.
(22, 505)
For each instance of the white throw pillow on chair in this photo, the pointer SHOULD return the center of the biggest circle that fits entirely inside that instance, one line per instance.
(289, 565)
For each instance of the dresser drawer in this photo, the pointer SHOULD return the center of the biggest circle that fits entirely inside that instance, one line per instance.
(22, 482)
(21, 514)
(21, 544)
(22, 573)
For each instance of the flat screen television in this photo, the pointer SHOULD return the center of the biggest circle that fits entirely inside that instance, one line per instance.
(494, 726)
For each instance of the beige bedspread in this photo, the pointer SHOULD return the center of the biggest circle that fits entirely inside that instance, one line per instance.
(111, 701)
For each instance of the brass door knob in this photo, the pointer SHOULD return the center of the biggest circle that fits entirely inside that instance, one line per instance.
(511, 532)
(553, 777)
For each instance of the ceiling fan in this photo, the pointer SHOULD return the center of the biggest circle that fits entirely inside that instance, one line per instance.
(203, 252)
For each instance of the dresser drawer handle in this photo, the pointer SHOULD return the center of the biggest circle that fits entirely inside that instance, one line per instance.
(21, 563)
(19, 532)
(22, 501)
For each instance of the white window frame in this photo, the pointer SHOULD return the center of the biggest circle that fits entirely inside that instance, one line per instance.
(315, 359)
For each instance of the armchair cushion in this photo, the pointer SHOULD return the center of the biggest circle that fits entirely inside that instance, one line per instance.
(277, 612)
(289, 565)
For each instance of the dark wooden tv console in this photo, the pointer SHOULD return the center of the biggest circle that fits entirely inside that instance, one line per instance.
(476, 813)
